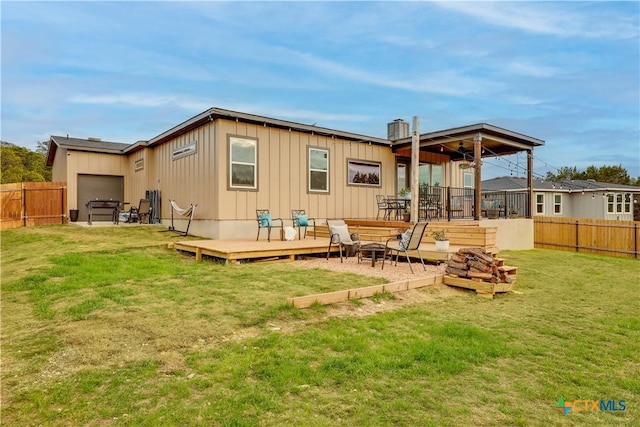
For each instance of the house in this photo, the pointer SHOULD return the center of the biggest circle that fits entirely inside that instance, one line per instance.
(231, 163)
(575, 198)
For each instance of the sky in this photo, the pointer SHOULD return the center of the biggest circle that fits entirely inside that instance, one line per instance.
(564, 72)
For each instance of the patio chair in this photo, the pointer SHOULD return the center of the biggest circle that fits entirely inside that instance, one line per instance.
(408, 241)
(383, 206)
(340, 236)
(141, 213)
(265, 221)
(300, 219)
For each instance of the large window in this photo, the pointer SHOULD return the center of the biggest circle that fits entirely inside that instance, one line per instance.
(618, 203)
(539, 204)
(430, 174)
(243, 166)
(318, 170)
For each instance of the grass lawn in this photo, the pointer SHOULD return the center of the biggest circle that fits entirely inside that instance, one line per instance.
(107, 326)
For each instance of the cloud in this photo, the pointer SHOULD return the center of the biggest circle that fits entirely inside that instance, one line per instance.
(142, 100)
(567, 19)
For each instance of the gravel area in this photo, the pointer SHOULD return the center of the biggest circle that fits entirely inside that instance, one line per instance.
(391, 272)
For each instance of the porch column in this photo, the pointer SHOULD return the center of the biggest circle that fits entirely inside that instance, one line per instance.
(530, 182)
(415, 172)
(477, 160)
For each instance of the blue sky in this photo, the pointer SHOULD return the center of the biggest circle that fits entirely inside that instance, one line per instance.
(565, 72)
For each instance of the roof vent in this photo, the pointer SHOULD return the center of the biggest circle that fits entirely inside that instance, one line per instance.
(397, 129)
(93, 138)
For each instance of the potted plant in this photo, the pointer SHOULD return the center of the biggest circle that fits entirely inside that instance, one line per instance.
(405, 193)
(442, 242)
(407, 214)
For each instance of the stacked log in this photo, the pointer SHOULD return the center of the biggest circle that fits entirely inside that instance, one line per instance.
(476, 264)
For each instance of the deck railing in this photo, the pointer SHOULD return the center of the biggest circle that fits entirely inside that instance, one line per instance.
(459, 203)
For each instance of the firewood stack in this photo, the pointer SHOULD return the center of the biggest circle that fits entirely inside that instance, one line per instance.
(476, 264)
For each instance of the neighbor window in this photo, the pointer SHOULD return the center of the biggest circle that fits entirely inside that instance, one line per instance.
(539, 204)
(318, 177)
(618, 203)
(557, 204)
(243, 166)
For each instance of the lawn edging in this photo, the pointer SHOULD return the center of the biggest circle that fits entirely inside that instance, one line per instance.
(365, 292)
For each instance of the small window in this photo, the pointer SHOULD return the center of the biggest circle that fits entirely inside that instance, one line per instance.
(184, 151)
(243, 166)
(627, 203)
(139, 165)
(611, 207)
(557, 204)
(539, 204)
(318, 177)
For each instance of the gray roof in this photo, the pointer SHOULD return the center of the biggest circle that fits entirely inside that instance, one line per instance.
(79, 144)
(513, 183)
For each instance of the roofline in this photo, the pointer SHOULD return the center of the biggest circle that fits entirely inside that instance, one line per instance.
(220, 113)
(478, 127)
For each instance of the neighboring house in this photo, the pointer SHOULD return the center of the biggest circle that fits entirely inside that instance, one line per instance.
(231, 163)
(574, 199)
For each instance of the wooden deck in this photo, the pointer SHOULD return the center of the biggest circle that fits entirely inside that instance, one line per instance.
(233, 251)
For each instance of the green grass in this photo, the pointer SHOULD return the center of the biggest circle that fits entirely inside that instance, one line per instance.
(109, 327)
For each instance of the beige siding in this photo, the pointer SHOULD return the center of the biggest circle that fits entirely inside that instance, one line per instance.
(92, 164)
(190, 179)
(282, 176)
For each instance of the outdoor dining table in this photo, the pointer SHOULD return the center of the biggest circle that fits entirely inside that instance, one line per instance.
(399, 205)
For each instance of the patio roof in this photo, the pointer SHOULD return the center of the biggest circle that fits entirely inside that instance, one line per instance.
(457, 143)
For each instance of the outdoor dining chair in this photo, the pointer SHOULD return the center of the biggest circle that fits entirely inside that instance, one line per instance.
(140, 214)
(408, 241)
(300, 220)
(383, 206)
(265, 221)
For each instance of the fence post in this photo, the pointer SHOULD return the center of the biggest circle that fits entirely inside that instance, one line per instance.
(24, 205)
(635, 240)
(577, 233)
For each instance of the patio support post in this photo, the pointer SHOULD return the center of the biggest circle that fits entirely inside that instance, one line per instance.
(415, 172)
(477, 159)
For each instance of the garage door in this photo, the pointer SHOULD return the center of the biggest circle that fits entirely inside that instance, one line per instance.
(103, 187)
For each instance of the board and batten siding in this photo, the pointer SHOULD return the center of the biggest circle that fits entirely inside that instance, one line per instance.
(186, 180)
(79, 162)
(282, 175)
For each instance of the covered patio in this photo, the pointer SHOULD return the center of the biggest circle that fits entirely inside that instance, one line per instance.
(464, 148)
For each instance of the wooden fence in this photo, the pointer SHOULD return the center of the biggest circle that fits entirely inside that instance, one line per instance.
(597, 236)
(32, 203)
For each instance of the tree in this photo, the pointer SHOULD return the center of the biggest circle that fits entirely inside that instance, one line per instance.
(610, 174)
(19, 164)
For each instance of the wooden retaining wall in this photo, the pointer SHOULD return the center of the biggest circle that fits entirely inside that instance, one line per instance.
(597, 236)
(25, 204)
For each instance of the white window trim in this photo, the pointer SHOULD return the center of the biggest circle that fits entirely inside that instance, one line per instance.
(254, 164)
(557, 204)
(536, 204)
(309, 170)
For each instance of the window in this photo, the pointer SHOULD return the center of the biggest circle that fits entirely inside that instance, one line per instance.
(184, 151)
(243, 166)
(363, 173)
(539, 204)
(138, 165)
(467, 183)
(618, 203)
(318, 178)
(557, 204)
(402, 176)
(430, 174)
